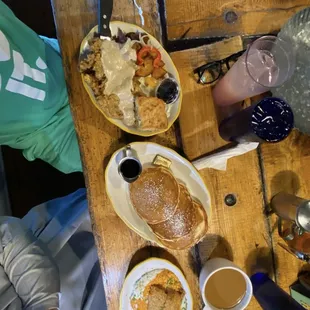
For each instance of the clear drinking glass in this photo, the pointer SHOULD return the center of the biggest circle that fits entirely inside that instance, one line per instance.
(268, 62)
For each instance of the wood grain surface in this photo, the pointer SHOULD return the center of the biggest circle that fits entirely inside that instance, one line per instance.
(118, 247)
(98, 139)
(198, 119)
(233, 232)
(209, 18)
(286, 168)
(240, 233)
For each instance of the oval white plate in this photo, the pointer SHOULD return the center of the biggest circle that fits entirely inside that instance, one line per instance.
(118, 193)
(169, 65)
(146, 267)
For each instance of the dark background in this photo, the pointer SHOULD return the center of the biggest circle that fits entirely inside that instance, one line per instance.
(31, 183)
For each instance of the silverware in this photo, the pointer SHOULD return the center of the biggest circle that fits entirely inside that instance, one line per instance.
(105, 8)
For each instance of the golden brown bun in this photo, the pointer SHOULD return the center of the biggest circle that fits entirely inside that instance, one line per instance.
(182, 222)
(157, 298)
(194, 236)
(161, 298)
(152, 113)
(174, 299)
(155, 195)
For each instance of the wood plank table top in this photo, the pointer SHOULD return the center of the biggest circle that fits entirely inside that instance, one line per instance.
(240, 233)
(203, 18)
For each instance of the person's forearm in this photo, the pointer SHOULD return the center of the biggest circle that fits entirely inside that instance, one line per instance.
(29, 268)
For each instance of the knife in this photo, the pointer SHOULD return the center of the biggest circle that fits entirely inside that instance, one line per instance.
(105, 8)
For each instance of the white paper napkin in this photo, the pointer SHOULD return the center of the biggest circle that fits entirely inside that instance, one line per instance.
(219, 160)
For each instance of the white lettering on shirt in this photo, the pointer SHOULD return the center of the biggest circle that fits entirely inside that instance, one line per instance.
(5, 54)
(41, 64)
(25, 90)
(22, 70)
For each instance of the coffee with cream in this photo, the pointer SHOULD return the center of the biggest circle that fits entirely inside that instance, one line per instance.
(225, 289)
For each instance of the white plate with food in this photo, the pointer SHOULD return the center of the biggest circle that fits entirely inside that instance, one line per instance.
(156, 282)
(176, 214)
(122, 77)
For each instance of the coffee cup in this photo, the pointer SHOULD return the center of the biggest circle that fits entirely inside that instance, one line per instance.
(224, 285)
(129, 166)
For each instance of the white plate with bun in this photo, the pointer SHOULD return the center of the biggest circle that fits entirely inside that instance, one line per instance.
(141, 275)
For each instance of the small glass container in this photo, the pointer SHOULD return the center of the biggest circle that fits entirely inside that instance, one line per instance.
(270, 120)
(293, 223)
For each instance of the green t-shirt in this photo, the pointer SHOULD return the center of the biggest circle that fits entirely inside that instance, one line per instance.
(34, 110)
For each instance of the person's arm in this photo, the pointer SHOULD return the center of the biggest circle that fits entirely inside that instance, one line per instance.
(28, 266)
(9, 300)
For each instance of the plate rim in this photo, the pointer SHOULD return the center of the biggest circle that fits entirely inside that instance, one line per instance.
(112, 120)
(165, 261)
(125, 221)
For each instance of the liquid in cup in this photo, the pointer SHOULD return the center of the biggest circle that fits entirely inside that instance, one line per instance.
(267, 63)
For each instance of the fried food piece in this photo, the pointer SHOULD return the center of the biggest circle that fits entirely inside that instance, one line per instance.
(174, 299)
(157, 298)
(98, 68)
(96, 85)
(133, 35)
(93, 74)
(158, 73)
(150, 82)
(161, 63)
(92, 69)
(110, 105)
(88, 62)
(153, 53)
(146, 39)
(152, 113)
(146, 68)
(160, 298)
(95, 45)
(137, 46)
(137, 90)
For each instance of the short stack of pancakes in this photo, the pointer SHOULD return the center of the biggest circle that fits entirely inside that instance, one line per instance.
(178, 221)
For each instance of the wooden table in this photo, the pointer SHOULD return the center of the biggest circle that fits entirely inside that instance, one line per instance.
(240, 233)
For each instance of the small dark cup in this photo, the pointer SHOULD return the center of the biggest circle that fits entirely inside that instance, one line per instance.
(129, 167)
